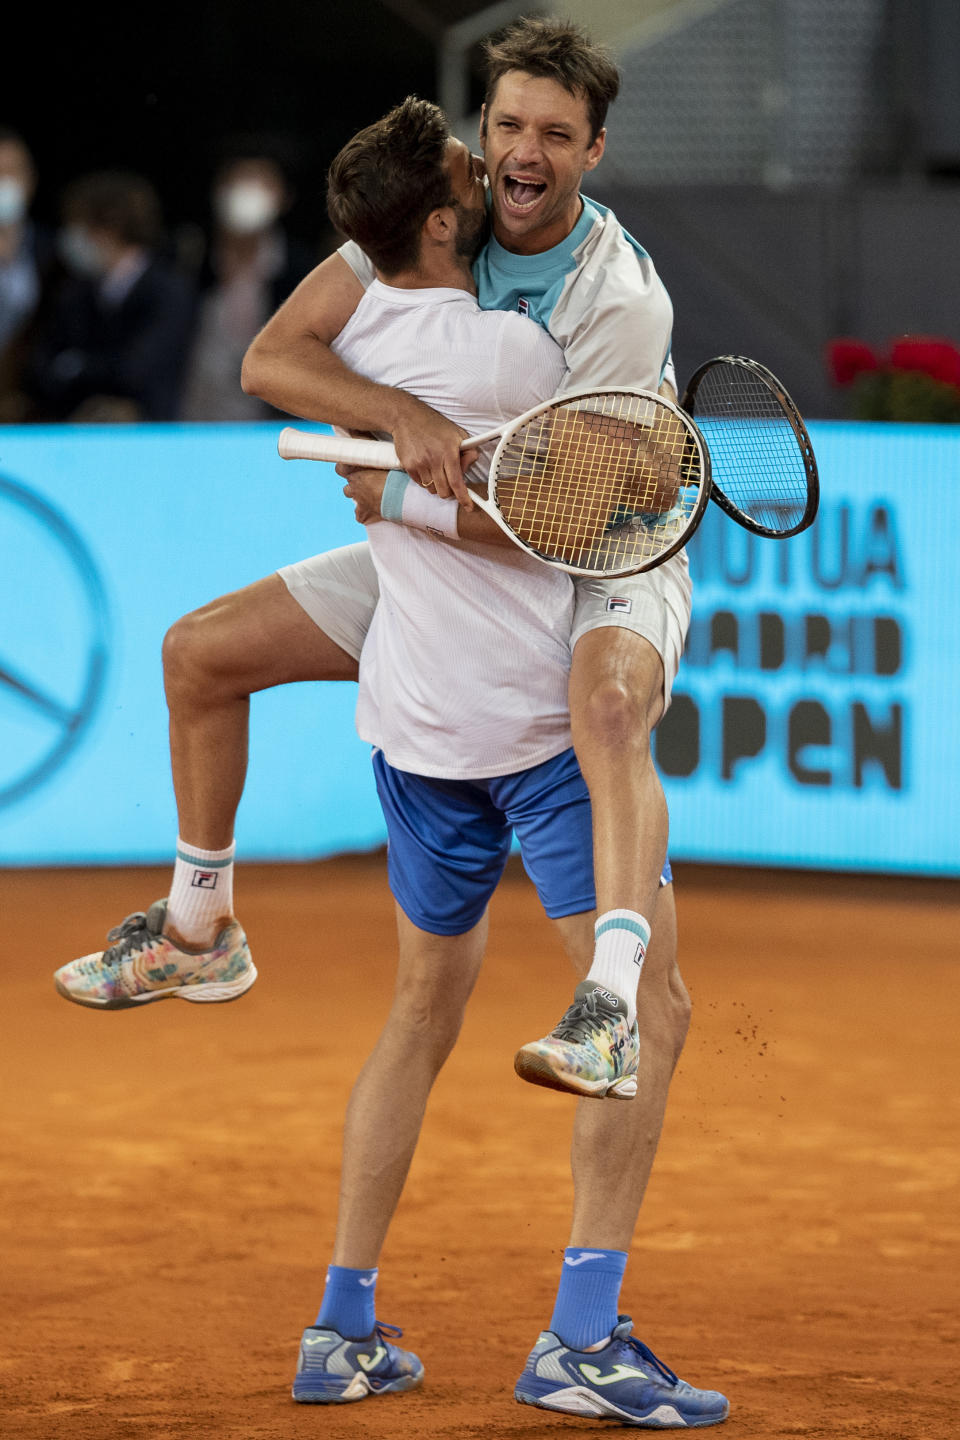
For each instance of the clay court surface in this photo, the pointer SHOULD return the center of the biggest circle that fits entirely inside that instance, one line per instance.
(169, 1174)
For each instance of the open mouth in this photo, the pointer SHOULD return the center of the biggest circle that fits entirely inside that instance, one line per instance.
(521, 192)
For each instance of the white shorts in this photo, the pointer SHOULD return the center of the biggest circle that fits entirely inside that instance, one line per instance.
(339, 591)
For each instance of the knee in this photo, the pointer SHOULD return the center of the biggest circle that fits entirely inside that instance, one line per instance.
(189, 656)
(426, 1024)
(613, 716)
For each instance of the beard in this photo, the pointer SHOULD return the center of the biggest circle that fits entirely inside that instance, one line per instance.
(473, 232)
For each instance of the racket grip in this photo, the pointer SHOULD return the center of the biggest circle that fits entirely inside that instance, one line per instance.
(296, 444)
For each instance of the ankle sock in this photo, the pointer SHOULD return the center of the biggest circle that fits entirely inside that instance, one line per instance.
(587, 1300)
(201, 894)
(621, 938)
(349, 1302)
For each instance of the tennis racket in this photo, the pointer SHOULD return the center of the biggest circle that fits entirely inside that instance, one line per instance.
(597, 482)
(763, 469)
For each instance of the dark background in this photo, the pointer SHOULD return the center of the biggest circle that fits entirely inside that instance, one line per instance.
(774, 273)
(161, 91)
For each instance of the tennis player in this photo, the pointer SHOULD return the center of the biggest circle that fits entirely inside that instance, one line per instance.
(468, 748)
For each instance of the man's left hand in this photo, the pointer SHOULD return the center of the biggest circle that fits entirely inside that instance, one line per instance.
(364, 488)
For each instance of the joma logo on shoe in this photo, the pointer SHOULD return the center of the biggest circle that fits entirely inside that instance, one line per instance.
(619, 1372)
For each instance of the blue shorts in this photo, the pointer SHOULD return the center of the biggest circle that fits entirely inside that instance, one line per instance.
(448, 840)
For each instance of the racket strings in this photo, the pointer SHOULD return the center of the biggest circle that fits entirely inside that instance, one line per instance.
(756, 457)
(602, 483)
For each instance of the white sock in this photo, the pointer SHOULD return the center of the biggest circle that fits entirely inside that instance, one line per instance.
(201, 895)
(621, 938)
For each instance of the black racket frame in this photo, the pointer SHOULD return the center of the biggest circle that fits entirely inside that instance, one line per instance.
(792, 416)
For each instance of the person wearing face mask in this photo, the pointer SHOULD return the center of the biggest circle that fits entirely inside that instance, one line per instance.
(26, 261)
(115, 343)
(251, 267)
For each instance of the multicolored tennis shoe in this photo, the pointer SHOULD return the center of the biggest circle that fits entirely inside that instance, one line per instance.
(593, 1051)
(143, 964)
(334, 1371)
(622, 1381)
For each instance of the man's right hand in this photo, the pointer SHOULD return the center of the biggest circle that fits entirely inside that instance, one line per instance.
(428, 446)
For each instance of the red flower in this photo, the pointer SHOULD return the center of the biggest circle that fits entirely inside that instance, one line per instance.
(847, 359)
(930, 355)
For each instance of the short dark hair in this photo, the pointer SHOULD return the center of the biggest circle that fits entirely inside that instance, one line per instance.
(556, 50)
(387, 180)
(116, 200)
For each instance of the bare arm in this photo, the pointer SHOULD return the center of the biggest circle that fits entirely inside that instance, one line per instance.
(290, 365)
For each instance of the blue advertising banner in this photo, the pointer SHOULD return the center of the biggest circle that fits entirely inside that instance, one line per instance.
(108, 534)
(813, 719)
(812, 722)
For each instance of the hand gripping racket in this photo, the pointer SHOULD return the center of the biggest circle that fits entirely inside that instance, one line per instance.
(764, 474)
(597, 482)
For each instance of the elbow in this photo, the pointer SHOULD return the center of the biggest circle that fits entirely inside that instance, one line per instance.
(252, 371)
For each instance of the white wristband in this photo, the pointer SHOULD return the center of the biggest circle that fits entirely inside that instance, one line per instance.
(422, 510)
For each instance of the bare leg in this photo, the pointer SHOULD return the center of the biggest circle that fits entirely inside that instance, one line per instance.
(616, 699)
(435, 976)
(614, 1145)
(213, 661)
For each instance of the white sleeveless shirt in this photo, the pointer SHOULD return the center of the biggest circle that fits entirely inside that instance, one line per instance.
(464, 671)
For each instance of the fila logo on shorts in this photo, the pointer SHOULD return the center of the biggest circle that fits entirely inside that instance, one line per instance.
(523, 306)
(621, 603)
(205, 879)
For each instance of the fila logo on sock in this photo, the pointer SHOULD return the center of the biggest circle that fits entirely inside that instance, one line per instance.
(205, 879)
(620, 602)
(641, 953)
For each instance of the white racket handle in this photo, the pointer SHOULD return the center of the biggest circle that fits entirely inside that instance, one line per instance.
(296, 444)
(304, 445)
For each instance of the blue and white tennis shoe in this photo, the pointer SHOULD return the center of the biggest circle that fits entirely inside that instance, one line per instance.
(622, 1381)
(334, 1371)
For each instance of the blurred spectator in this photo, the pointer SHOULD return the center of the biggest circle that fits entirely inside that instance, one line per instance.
(114, 344)
(26, 259)
(251, 267)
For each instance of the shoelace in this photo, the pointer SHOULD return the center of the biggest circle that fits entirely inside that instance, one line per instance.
(130, 934)
(577, 1023)
(647, 1354)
